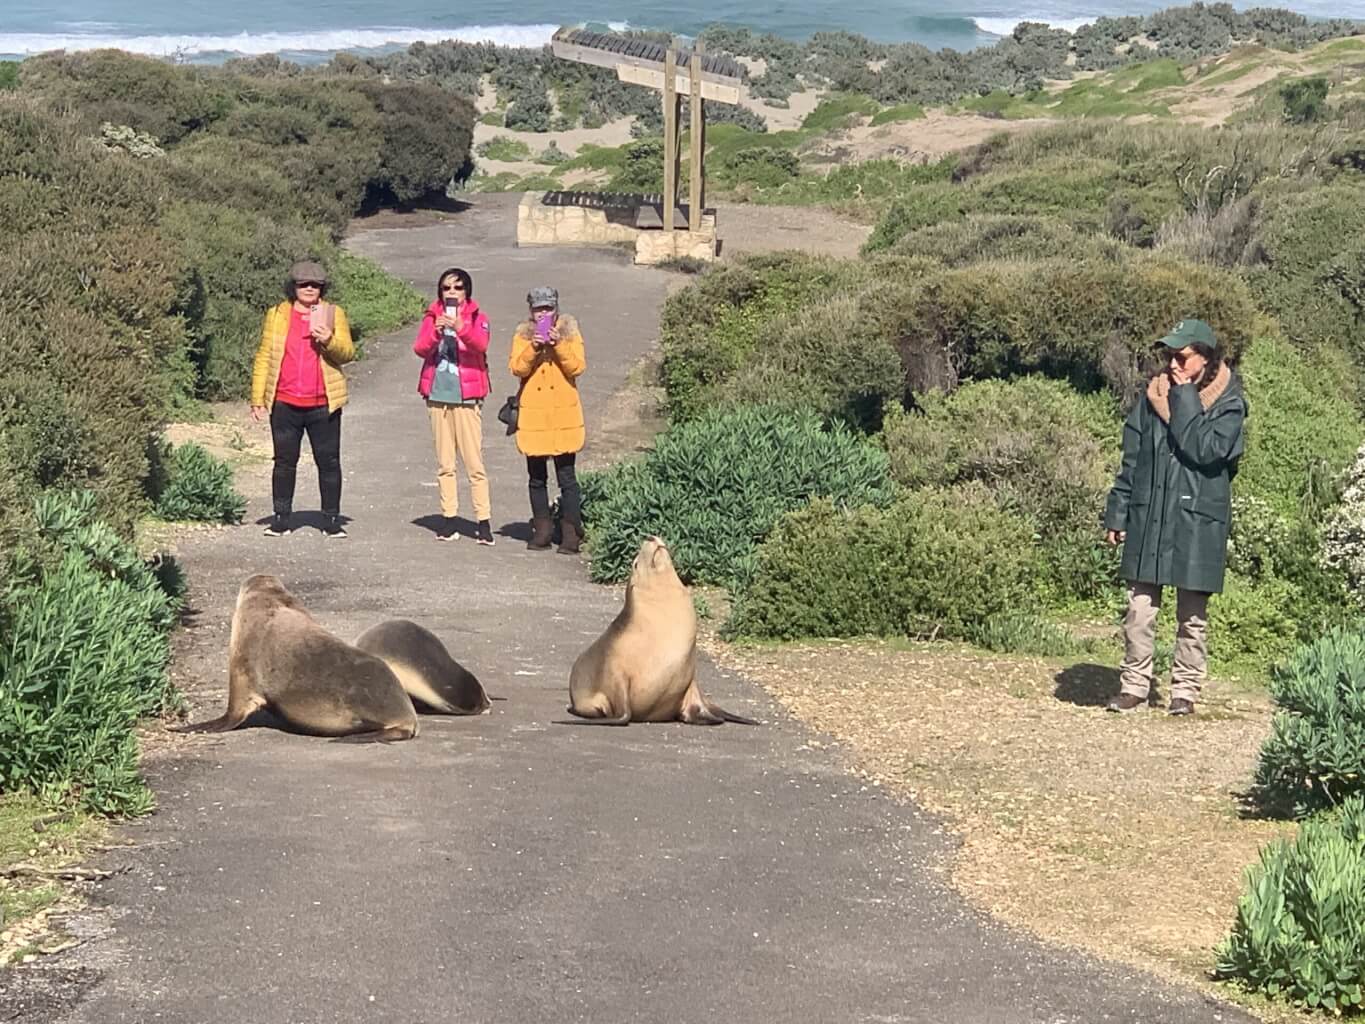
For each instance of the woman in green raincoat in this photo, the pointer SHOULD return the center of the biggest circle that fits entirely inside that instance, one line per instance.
(1171, 505)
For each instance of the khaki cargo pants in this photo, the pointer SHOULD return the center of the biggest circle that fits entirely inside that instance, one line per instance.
(1139, 641)
(458, 432)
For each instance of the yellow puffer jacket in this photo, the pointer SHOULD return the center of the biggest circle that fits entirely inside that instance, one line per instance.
(550, 420)
(338, 351)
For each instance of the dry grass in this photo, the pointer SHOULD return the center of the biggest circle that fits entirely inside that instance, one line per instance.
(1120, 835)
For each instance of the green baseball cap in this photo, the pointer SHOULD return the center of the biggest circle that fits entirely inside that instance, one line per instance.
(1189, 332)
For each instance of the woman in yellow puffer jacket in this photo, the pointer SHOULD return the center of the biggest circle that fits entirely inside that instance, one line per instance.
(297, 381)
(548, 357)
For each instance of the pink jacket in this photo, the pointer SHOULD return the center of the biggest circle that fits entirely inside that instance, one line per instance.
(471, 343)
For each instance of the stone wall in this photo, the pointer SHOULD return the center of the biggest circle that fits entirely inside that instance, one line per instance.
(538, 224)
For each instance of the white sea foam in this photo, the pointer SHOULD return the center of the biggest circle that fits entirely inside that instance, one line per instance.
(1004, 26)
(248, 43)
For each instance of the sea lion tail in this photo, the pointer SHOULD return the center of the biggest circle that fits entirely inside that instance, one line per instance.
(730, 716)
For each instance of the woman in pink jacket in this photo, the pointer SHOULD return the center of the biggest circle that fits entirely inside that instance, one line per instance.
(453, 344)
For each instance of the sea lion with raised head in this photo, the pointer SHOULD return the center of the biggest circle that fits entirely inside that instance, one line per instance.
(280, 658)
(431, 677)
(644, 667)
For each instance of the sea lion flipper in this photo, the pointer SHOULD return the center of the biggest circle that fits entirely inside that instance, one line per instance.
(238, 711)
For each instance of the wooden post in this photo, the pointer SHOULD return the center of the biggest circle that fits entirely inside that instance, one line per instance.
(696, 194)
(670, 136)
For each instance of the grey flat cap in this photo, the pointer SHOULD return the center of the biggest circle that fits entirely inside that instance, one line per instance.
(543, 296)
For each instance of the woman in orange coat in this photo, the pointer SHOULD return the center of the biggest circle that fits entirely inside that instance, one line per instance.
(547, 355)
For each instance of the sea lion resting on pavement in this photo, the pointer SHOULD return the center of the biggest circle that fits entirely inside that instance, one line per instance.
(644, 667)
(425, 669)
(280, 657)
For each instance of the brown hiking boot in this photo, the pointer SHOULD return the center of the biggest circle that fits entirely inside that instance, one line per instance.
(1126, 702)
(1180, 706)
(570, 537)
(541, 528)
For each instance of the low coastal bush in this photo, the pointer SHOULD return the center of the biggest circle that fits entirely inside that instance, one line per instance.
(1047, 453)
(1307, 259)
(981, 237)
(710, 329)
(1303, 429)
(86, 626)
(935, 564)
(983, 319)
(714, 487)
(193, 485)
(1314, 756)
(1299, 934)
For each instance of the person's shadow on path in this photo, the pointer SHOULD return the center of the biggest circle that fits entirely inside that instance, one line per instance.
(1086, 685)
(513, 531)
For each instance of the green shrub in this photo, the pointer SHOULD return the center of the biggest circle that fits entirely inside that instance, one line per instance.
(375, 301)
(1305, 99)
(503, 147)
(1314, 756)
(194, 485)
(1255, 626)
(1302, 430)
(987, 321)
(84, 658)
(1047, 453)
(710, 329)
(1307, 258)
(839, 111)
(9, 75)
(833, 356)
(901, 112)
(164, 100)
(760, 166)
(935, 564)
(713, 488)
(425, 132)
(1014, 632)
(981, 237)
(1299, 935)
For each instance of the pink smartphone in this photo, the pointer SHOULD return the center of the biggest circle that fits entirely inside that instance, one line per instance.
(319, 316)
(544, 324)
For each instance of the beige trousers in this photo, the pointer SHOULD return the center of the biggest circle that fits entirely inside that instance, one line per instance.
(1139, 641)
(458, 432)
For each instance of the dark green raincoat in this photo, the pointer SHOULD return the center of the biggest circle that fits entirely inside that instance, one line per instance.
(1173, 492)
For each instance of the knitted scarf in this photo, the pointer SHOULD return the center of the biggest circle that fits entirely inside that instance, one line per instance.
(1159, 392)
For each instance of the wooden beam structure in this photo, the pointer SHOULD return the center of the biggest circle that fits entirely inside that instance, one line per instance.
(675, 73)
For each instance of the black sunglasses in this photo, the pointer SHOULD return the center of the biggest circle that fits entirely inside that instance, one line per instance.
(307, 284)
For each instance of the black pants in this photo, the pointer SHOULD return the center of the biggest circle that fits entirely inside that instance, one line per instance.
(538, 468)
(287, 424)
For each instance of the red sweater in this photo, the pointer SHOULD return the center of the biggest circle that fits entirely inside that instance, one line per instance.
(300, 380)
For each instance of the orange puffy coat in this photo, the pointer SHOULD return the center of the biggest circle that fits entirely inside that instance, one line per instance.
(550, 420)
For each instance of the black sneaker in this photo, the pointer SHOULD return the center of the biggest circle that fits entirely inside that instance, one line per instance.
(333, 527)
(1180, 706)
(485, 534)
(279, 526)
(447, 530)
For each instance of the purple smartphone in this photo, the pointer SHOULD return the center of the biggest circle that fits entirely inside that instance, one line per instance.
(544, 324)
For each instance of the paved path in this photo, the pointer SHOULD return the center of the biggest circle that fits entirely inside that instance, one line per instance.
(504, 868)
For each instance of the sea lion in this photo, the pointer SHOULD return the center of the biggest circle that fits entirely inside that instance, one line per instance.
(432, 678)
(644, 667)
(280, 658)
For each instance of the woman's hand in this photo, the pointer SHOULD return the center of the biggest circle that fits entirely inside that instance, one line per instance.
(443, 321)
(555, 336)
(322, 334)
(1112, 537)
(1179, 376)
(258, 413)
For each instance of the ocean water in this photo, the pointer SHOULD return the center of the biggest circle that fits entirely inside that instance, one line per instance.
(196, 30)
